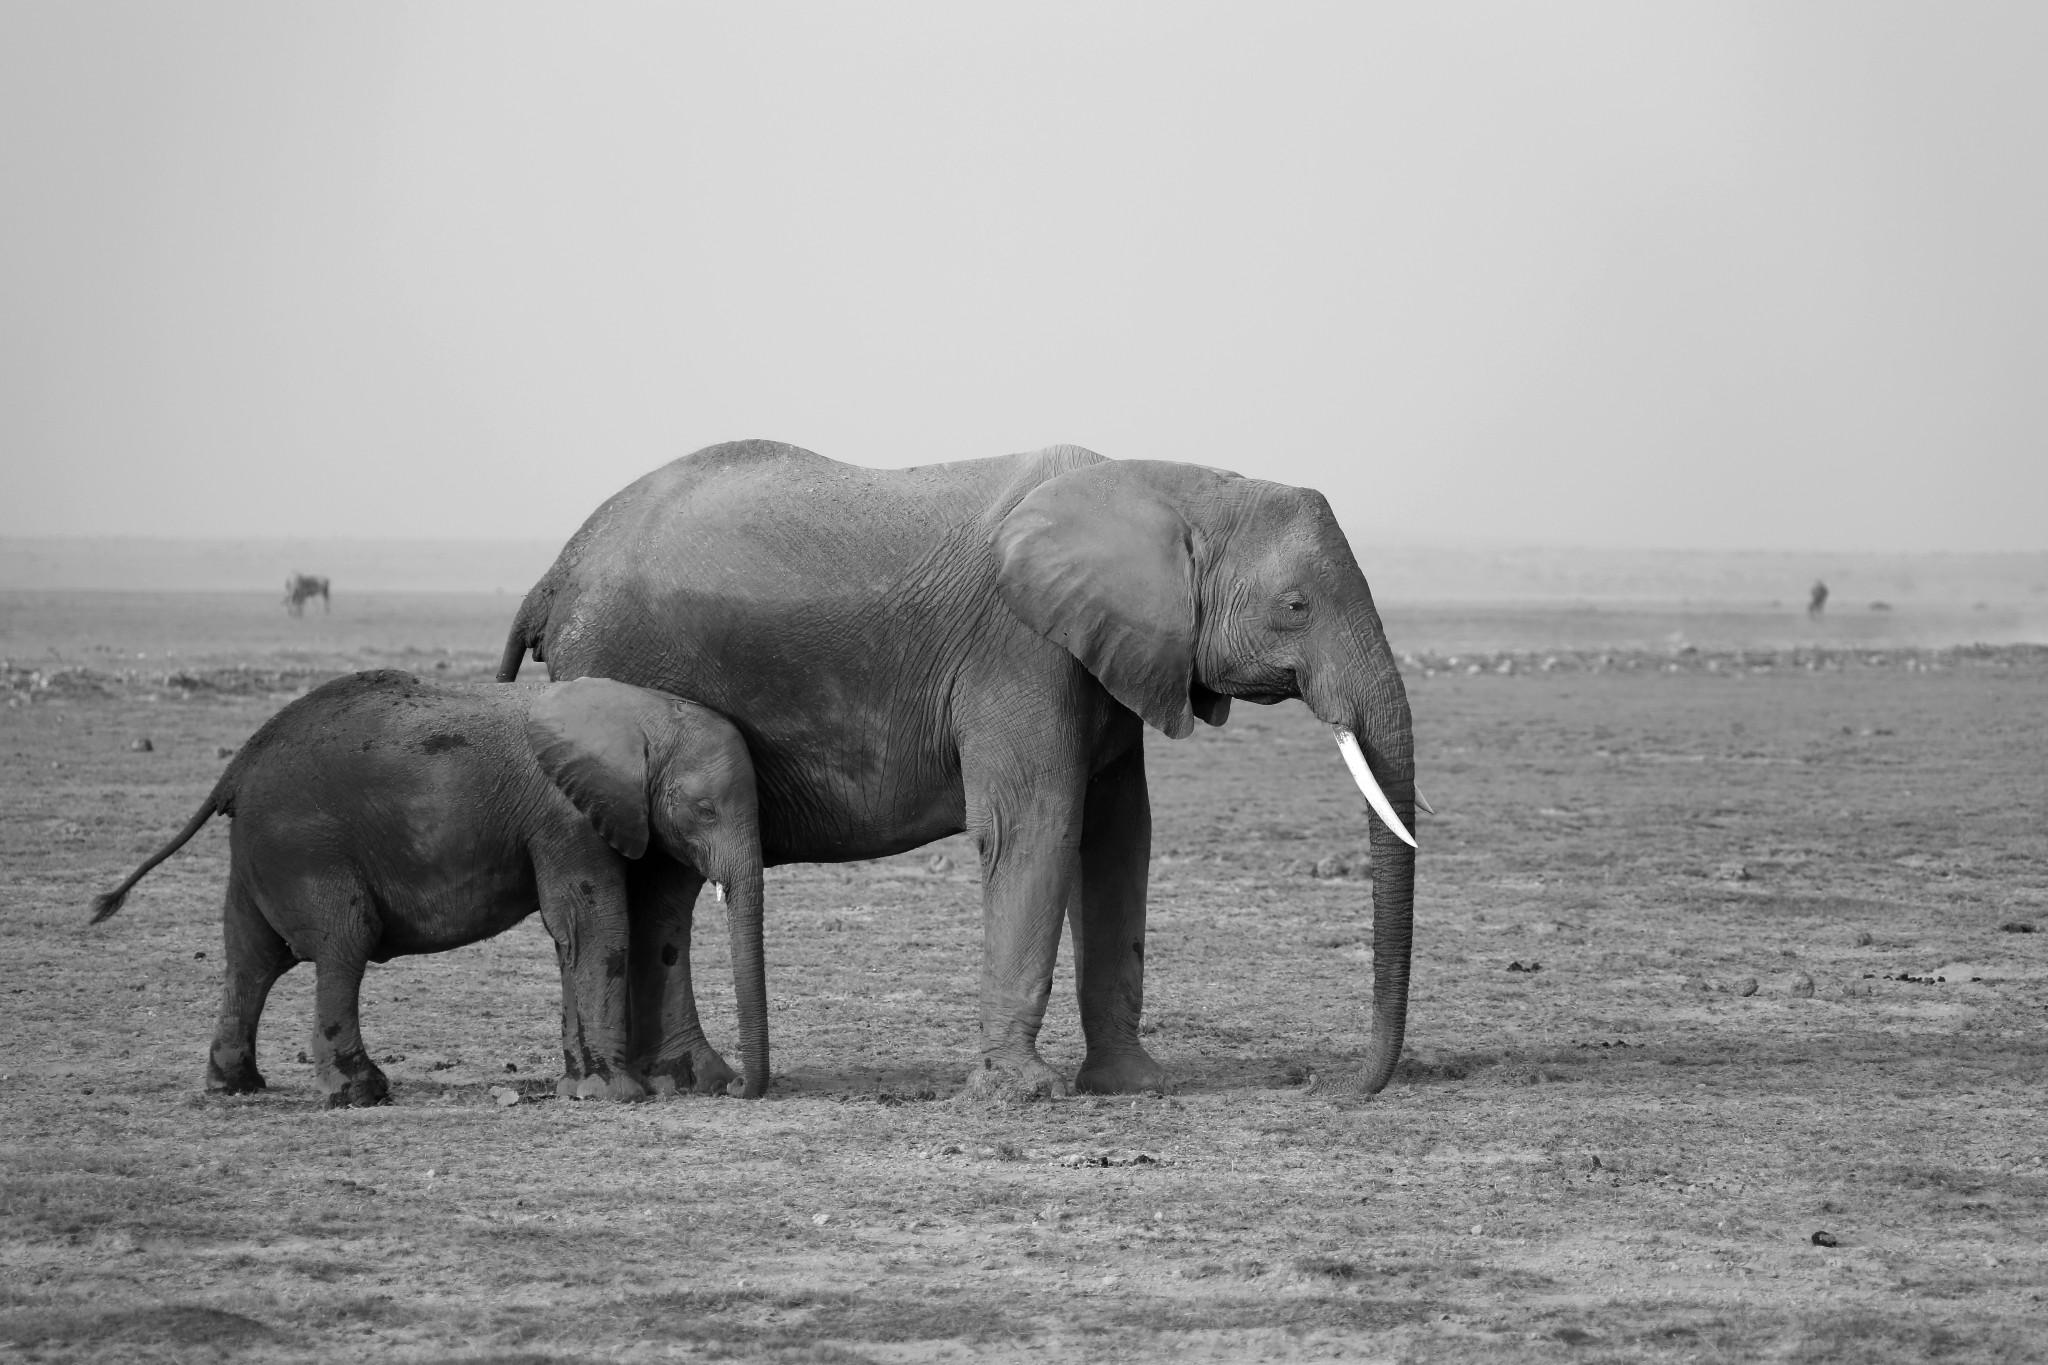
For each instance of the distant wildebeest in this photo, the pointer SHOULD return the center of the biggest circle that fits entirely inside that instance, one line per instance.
(1818, 602)
(301, 586)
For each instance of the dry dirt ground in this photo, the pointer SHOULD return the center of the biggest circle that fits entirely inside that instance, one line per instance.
(1612, 1154)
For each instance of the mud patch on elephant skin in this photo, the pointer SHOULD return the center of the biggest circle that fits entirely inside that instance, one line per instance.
(441, 744)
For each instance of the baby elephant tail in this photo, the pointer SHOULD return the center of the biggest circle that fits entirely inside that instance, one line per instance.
(105, 906)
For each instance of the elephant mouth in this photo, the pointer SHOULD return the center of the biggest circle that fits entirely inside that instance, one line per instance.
(1264, 698)
(1269, 686)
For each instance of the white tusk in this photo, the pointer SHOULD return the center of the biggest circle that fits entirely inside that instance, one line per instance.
(718, 891)
(1423, 802)
(1354, 759)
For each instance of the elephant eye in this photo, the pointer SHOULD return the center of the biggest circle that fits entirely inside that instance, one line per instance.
(706, 810)
(1289, 611)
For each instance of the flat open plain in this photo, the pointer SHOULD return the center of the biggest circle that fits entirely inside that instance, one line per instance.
(1599, 1150)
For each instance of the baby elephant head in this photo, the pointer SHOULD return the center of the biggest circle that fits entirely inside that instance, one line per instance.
(646, 767)
(651, 770)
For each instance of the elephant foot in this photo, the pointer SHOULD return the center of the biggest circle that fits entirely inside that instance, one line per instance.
(677, 1076)
(355, 1083)
(1029, 1078)
(714, 1076)
(233, 1074)
(618, 1086)
(701, 1071)
(1129, 1071)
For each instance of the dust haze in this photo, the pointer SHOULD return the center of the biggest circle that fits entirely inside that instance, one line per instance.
(1703, 277)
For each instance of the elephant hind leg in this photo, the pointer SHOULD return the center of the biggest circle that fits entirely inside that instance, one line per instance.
(341, 1062)
(348, 929)
(257, 956)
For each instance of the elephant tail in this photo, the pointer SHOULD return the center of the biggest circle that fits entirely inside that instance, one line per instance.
(529, 627)
(218, 802)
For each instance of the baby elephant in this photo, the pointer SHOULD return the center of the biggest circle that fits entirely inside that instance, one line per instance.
(381, 815)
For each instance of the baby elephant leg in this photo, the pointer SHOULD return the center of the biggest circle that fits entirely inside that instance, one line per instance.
(572, 1056)
(668, 1038)
(257, 956)
(587, 916)
(347, 931)
(340, 1061)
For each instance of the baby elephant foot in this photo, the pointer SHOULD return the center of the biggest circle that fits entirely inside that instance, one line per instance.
(670, 1078)
(617, 1086)
(714, 1076)
(233, 1073)
(354, 1083)
(1131, 1072)
(1026, 1078)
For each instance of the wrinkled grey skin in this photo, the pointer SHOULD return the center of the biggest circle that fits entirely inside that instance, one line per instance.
(380, 816)
(977, 646)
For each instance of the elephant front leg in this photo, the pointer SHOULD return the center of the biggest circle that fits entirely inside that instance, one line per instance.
(587, 916)
(572, 1029)
(669, 1046)
(1031, 876)
(1109, 930)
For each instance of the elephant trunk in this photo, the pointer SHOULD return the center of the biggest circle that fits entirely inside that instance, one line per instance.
(749, 972)
(1393, 941)
(1376, 732)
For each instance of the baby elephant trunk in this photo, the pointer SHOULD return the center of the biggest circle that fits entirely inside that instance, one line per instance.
(749, 977)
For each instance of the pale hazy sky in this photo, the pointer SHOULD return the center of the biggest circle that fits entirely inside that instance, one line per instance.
(1718, 276)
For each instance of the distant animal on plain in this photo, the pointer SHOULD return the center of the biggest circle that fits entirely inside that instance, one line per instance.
(302, 586)
(381, 816)
(1817, 602)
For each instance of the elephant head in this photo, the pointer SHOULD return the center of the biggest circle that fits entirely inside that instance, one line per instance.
(646, 768)
(1180, 588)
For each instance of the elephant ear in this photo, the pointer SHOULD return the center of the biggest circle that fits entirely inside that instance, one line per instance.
(1100, 561)
(591, 738)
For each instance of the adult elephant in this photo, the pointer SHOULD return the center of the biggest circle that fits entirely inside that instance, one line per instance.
(976, 646)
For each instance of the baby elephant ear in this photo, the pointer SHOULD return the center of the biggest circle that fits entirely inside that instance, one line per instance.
(1100, 562)
(590, 736)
